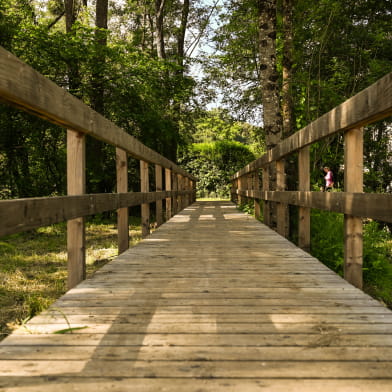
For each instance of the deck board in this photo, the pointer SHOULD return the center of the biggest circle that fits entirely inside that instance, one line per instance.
(212, 301)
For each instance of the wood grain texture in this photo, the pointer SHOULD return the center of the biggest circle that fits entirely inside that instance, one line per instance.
(23, 87)
(122, 213)
(353, 230)
(26, 214)
(145, 207)
(367, 205)
(304, 212)
(76, 185)
(158, 188)
(212, 300)
(372, 104)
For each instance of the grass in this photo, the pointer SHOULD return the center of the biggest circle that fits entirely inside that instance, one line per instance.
(33, 267)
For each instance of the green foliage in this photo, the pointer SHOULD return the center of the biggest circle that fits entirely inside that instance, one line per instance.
(219, 125)
(213, 164)
(327, 244)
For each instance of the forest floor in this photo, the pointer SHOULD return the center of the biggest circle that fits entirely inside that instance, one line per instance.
(33, 267)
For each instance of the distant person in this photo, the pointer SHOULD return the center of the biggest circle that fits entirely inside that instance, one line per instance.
(328, 179)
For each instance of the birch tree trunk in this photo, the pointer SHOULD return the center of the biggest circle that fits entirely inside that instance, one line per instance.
(159, 36)
(269, 82)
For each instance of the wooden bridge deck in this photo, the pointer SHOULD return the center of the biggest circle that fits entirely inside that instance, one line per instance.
(211, 301)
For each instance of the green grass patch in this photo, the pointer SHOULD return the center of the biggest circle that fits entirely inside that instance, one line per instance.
(33, 267)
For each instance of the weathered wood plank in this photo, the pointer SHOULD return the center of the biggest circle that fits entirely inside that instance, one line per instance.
(122, 213)
(145, 207)
(353, 182)
(371, 205)
(89, 384)
(22, 86)
(304, 185)
(76, 185)
(26, 214)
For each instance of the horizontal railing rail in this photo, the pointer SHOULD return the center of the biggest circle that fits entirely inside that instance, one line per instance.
(25, 88)
(370, 105)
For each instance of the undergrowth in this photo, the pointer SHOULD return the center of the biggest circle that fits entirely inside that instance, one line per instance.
(33, 267)
(327, 244)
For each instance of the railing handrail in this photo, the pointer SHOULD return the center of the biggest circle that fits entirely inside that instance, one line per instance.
(24, 87)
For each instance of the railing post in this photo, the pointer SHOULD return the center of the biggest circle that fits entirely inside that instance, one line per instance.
(122, 213)
(175, 188)
(168, 187)
(145, 208)
(304, 213)
(281, 209)
(353, 182)
(240, 188)
(158, 188)
(187, 188)
(76, 185)
(256, 187)
(266, 205)
(180, 199)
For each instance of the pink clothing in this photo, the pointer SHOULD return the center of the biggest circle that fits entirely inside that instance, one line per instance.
(329, 179)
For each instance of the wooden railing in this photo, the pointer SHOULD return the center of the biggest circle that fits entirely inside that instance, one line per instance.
(371, 104)
(25, 88)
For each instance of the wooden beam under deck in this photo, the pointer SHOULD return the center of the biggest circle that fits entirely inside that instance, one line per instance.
(213, 300)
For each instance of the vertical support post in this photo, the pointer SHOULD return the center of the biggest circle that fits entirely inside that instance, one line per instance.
(256, 187)
(122, 213)
(144, 187)
(187, 188)
(168, 187)
(76, 185)
(180, 197)
(304, 212)
(158, 188)
(175, 188)
(353, 182)
(240, 188)
(266, 206)
(282, 228)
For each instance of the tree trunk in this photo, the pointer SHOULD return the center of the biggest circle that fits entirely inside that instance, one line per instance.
(96, 153)
(269, 81)
(159, 36)
(287, 101)
(181, 34)
(74, 79)
(101, 24)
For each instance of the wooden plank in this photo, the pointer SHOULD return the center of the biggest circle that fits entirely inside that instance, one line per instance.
(353, 182)
(304, 212)
(281, 208)
(207, 384)
(26, 214)
(371, 104)
(158, 188)
(76, 185)
(256, 187)
(368, 205)
(122, 213)
(168, 187)
(162, 353)
(25, 88)
(266, 205)
(145, 207)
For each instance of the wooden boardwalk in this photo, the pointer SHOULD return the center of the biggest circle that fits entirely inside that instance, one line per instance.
(211, 301)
